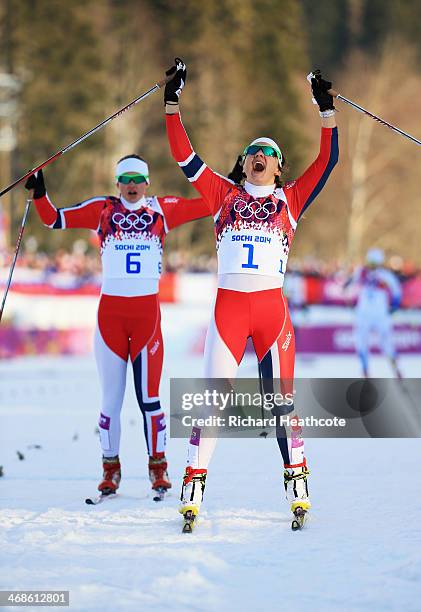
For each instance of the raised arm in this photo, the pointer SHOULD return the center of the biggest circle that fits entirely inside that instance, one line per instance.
(209, 184)
(177, 211)
(307, 187)
(84, 215)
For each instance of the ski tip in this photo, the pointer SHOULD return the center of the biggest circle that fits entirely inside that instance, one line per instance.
(93, 501)
(189, 522)
(295, 525)
(299, 519)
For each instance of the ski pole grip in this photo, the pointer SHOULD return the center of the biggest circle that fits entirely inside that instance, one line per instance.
(333, 93)
(166, 80)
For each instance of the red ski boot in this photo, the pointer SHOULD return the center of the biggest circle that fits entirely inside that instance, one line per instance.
(112, 475)
(158, 476)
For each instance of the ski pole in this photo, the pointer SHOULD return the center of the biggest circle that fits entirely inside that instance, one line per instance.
(87, 134)
(59, 154)
(12, 267)
(360, 109)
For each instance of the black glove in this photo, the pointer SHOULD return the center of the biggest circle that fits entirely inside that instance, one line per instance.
(173, 88)
(319, 88)
(36, 182)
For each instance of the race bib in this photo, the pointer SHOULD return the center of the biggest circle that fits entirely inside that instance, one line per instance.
(253, 252)
(132, 257)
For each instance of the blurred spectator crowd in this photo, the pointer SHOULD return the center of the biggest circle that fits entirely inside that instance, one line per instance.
(309, 280)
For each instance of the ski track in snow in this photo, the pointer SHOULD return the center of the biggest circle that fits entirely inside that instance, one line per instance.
(361, 550)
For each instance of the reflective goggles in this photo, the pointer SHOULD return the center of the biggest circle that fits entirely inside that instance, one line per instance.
(136, 178)
(266, 150)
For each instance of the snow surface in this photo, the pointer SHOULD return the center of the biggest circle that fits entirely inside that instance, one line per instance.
(361, 550)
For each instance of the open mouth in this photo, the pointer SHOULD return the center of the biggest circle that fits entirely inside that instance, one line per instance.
(132, 193)
(258, 166)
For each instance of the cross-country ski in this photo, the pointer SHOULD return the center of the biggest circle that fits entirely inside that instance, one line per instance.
(98, 499)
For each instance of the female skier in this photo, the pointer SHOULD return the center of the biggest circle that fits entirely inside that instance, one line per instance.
(131, 229)
(255, 223)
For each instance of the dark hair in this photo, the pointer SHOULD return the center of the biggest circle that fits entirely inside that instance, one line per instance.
(130, 156)
(237, 175)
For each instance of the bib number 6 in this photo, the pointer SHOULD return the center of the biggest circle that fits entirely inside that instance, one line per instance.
(133, 263)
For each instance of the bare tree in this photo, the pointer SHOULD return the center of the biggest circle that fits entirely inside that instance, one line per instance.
(381, 179)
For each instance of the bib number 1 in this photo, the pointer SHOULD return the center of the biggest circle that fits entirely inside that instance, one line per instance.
(251, 265)
(132, 263)
(250, 254)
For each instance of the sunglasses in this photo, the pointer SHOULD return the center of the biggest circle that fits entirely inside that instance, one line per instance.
(136, 178)
(266, 150)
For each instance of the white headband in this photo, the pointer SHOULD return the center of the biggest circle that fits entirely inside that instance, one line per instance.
(270, 142)
(375, 256)
(132, 164)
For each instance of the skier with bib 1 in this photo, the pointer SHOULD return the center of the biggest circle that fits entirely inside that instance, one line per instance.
(131, 230)
(249, 300)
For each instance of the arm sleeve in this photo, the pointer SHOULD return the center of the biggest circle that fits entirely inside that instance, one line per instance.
(393, 285)
(84, 215)
(306, 188)
(177, 211)
(353, 279)
(209, 184)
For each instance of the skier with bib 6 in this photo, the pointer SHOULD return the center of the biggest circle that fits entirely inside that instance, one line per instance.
(131, 230)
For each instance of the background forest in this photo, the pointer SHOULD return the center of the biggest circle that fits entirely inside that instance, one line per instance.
(64, 66)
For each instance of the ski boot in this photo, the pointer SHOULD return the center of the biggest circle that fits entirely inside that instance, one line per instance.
(192, 496)
(296, 489)
(158, 476)
(111, 477)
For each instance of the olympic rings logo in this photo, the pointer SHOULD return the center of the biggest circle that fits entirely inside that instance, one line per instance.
(132, 221)
(254, 208)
